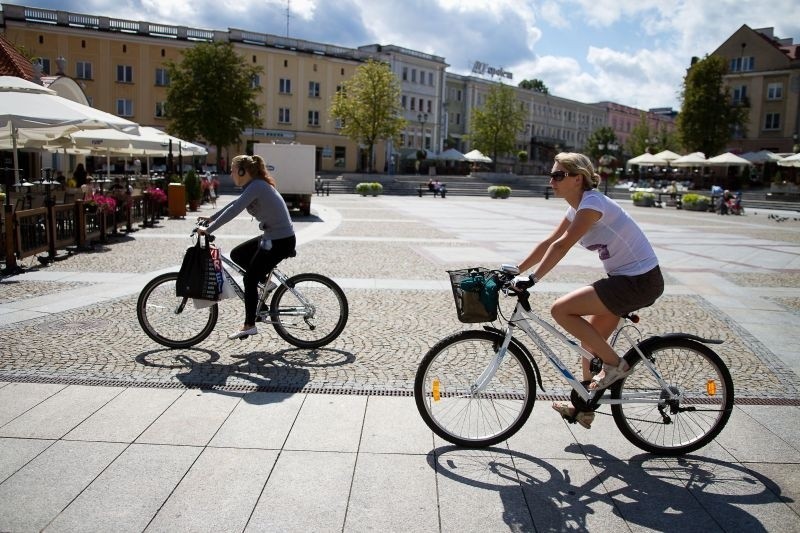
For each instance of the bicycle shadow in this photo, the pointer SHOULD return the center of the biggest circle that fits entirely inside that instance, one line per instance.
(691, 493)
(285, 371)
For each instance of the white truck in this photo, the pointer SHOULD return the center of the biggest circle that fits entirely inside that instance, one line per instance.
(292, 166)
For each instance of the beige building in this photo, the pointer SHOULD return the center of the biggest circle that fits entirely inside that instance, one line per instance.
(764, 76)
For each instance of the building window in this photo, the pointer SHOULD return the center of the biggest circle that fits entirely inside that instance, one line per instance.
(405, 73)
(161, 109)
(284, 115)
(739, 94)
(285, 86)
(413, 75)
(742, 64)
(339, 156)
(429, 105)
(286, 63)
(45, 64)
(403, 102)
(125, 73)
(774, 91)
(458, 119)
(313, 118)
(83, 70)
(124, 107)
(413, 104)
(338, 123)
(162, 77)
(458, 97)
(430, 79)
(313, 89)
(255, 82)
(772, 121)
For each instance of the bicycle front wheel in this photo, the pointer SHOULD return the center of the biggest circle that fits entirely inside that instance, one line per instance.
(171, 320)
(461, 400)
(703, 390)
(311, 312)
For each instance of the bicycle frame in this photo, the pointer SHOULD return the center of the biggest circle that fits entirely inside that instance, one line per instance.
(522, 319)
(306, 310)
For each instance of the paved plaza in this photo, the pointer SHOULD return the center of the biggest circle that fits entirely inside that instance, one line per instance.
(101, 429)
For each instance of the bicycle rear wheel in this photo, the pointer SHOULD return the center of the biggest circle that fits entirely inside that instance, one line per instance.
(674, 427)
(171, 320)
(444, 390)
(312, 313)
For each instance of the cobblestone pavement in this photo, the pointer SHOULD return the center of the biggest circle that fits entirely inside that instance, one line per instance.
(402, 249)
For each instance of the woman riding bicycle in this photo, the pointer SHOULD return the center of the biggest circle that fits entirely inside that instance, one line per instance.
(259, 255)
(634, 278)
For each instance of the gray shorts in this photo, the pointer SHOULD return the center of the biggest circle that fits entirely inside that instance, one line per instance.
(625, 294)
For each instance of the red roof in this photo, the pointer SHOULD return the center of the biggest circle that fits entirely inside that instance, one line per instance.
(13, 63)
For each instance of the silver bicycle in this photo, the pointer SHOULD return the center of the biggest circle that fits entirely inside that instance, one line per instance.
(476, 388)
(307, 310)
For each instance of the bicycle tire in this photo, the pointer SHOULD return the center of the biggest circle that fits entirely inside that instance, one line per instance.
(156, 310)
(451, 411)
(313, 325)
(696, 419)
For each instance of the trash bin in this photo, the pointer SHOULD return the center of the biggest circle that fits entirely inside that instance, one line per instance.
(176, 200)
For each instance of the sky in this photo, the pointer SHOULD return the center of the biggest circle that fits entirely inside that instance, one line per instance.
(633, 52)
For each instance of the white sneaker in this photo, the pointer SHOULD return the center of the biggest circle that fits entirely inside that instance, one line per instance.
(242, 333)
(610, 375)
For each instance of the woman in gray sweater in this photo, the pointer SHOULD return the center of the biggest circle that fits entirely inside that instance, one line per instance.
(259, 255)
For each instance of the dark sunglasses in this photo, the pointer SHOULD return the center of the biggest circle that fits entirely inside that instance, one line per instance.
(559, 175)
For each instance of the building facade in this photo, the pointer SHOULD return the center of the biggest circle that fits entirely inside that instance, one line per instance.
(764, 77)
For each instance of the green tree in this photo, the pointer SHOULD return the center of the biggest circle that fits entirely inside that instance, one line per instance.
(707, 115)
(368, 106)
(534, 85)
(601, 136)
(495, 125)
(641, 139)
(211, 94)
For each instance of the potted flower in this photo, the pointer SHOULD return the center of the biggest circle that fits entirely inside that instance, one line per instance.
(499, 191)
(643, 199)
(695, 202)
(101, 203)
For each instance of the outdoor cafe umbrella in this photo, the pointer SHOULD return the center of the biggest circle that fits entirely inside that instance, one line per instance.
(729, 159)
(695, 159)
(451, 154)
(32, 113)
(667, 155)
(647, 160)
(791, 161)
(477, 157)
(761, 157)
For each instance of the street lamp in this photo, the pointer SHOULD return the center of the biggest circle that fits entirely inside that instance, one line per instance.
(422, 118)
(606, 161)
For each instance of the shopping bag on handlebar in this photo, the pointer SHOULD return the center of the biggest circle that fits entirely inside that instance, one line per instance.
(225, 289)
(197, 277)
(476, 294)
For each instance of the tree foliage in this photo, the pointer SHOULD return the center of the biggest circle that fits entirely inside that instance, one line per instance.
(368, 106)
(707, 116)
(601, 136)
(534, 85)
(496, 124)
(211, 94)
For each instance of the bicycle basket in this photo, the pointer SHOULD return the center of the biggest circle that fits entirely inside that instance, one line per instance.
(475, 293)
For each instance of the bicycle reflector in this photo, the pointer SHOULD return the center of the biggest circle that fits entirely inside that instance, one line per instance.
(711, 387)
(435, 390)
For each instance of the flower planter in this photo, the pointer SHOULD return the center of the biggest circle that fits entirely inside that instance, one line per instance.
(696, 206)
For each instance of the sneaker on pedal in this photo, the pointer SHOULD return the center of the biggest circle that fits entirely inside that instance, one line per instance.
(242, 333)
(584, 418)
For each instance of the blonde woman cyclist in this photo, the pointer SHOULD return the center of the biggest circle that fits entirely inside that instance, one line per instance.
(633, 279)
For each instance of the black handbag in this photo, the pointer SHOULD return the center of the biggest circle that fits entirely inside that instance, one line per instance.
(197, 277)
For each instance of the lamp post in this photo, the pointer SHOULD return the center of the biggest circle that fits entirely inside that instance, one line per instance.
(422, 118)
(606, 161)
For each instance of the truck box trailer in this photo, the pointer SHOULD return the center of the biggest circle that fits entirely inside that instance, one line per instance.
(292, 166)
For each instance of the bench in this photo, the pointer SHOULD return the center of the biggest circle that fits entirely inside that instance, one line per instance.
(423, 188)
(673, 199)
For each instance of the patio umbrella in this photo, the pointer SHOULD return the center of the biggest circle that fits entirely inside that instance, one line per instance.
(646, 160)
(667, 155)
(761, 157)
(695, 159)
(477, 157)
(32, 113)
(451, 154)
(791, 161)
(729, 159)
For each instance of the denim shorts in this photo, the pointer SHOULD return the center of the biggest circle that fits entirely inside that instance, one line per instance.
(625, 294)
